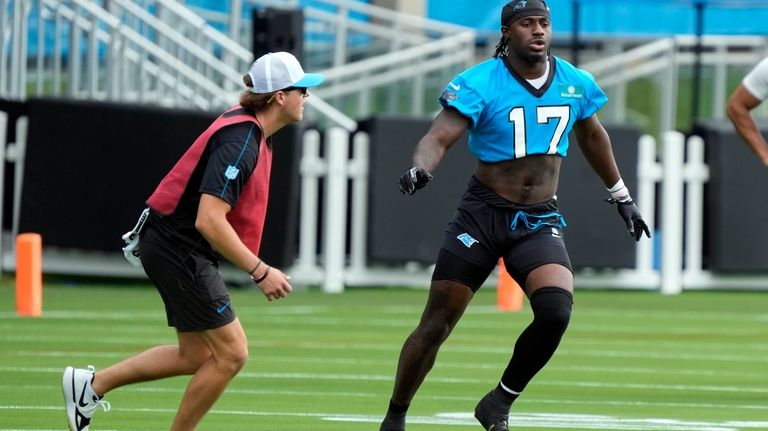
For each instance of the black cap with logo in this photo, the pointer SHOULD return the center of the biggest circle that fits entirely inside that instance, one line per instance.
(518, 9)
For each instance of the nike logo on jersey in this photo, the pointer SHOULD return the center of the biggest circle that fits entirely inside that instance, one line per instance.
(454, 86)
(222, 308)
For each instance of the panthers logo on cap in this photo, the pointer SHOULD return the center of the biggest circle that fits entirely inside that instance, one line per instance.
(520, 4)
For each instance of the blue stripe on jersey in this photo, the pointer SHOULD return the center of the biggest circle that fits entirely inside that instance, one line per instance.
(239, 157)
(511, 120)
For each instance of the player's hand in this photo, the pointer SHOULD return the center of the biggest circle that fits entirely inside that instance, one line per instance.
(413, 179)
(276, 285)
(632, 217)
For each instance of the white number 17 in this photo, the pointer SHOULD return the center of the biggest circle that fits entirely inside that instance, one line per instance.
(543, 115)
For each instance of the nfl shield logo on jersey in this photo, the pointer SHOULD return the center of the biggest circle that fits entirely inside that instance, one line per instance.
(231, 172)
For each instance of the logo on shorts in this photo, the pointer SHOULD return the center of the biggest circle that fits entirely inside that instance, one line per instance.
(222, 308)
(231, 172)
(556, 233)
(466, 239)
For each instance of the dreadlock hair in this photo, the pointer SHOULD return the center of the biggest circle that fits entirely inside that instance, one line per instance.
(501, 48)
(254, 102)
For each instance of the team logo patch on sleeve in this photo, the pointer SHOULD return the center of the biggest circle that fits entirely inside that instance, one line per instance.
(449, 96)
(467, 239)
(231, 172)
(572, 91)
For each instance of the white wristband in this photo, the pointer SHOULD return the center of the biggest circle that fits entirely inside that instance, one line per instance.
(619, 192)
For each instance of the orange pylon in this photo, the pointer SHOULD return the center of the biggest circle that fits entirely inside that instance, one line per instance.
(509, 295)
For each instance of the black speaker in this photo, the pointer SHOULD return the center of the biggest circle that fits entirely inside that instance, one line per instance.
(278, 30)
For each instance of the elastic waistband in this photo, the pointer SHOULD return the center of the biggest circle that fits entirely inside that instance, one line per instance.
(490, 197)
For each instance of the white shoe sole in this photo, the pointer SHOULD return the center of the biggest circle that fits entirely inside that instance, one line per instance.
(67, 389)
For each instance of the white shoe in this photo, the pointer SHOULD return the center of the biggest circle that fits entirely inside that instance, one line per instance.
(80, 399)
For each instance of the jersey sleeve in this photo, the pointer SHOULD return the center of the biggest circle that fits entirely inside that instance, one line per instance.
(756, 81)
(462, 96)
(231, 162)
(595, 99)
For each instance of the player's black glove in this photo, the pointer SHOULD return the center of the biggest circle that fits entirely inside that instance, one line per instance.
(413, 179)
(632, 217)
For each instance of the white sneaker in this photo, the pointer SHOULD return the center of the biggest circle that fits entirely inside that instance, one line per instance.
(80, 399)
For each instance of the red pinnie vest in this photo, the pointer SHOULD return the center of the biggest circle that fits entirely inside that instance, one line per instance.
(247, 218)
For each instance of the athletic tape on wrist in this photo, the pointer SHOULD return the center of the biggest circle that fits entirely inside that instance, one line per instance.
(619, 192)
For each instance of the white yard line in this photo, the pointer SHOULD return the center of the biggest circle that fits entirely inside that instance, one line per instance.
(757, 357)
(147, 388)
(585, 422)
(264, 358)
(452, 380)
(550, 421)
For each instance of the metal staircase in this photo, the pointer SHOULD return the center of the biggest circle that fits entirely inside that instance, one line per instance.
(162, 52)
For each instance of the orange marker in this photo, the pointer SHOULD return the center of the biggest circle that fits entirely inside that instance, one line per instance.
(29, 275)
(509, 295)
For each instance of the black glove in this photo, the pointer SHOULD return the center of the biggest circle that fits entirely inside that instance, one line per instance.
(632, 217)
(413, 179)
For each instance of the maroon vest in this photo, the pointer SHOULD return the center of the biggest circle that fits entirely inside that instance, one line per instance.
(247, 218)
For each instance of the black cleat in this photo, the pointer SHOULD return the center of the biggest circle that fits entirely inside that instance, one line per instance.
(491, 414)
(393, 423)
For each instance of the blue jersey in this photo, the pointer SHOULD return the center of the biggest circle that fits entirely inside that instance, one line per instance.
(511, 119)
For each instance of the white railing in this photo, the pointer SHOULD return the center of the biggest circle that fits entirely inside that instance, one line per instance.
(125, 54)
(329, 23)
(662, 60)
(411, 55)
(442, 59)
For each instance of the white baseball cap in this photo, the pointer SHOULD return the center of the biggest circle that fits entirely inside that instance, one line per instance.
(278, 70)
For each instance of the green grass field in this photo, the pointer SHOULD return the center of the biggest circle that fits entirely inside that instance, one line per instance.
(630, 361)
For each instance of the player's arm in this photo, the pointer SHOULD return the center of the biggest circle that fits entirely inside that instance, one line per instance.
(596, 147)
(212, 223)
(739, 106)
(445, 130)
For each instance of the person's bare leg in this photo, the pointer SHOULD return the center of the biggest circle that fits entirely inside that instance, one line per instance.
(229, 348)
(446, 304)
(155, 363)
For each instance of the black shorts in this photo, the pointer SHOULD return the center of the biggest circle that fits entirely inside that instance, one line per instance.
(486, 227)
(194, 293)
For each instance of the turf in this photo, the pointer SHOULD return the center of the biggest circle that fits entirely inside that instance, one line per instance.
(630, 361)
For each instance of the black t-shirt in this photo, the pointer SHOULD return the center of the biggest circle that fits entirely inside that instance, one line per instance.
(225, 166)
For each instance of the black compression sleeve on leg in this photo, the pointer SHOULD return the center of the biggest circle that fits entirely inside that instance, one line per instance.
(396, 408)
(551, 313)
